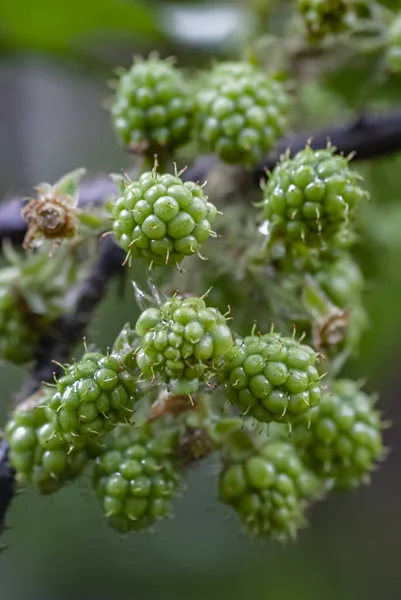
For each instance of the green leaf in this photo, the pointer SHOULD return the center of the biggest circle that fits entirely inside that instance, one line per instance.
(394, 4)
(356, 77)
(68, 185)
(58, 26)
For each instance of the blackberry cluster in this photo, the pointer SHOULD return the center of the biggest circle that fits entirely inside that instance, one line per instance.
(272, 378)
(344, 439)
(394, 45)
(240, 112)
(323, 17)
(181, 341)
(136, 479)
(38, 453)
(269, 489)
(312, 197)
(162, 219)
(153, 106)
(92, 396)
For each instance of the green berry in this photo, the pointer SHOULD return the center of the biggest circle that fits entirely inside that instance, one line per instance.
(136, 478)
(344, 438)
(240, 112)
(153, 107)
(17, 340)
(162, 219)
(341, 279)
(268, 488)
(393, 55)
(180, 342)
(323, 17)
(92, 396)
(312, 197)
(38, 453)
(272, 378)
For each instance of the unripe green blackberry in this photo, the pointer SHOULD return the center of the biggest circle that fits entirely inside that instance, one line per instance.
(180, 342)
(92, 396)
(344, 438)
(323, 17)
(38, 453)
(272, 378)
(162, 219)
(393, 55)
(136, 478)
(153, 106)
(269, 489)
(17, 339)
(341, 279)
(240, 112)
(312, 197)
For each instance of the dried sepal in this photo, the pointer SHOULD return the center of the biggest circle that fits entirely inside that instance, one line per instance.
(53, 214)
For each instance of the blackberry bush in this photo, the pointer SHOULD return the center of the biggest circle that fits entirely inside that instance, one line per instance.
(92, 396)
(312, 197)
(344, 440)
(181, 341)
(183, 380)
(162, 219)
(153, 107)
(136, 478)
(269, 488)
(240, 112)
(272, 378)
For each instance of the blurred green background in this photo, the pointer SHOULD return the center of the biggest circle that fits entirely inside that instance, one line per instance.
(55, 60)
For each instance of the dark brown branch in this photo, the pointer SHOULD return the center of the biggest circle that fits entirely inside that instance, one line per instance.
(57, 345)
(7, 482)
(370, 136)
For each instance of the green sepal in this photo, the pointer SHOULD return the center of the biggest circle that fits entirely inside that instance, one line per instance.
(315, 301)
(120, 181)
(68, 185)
(145, 300)
(221, 430)
(125, 347)
(240, 444)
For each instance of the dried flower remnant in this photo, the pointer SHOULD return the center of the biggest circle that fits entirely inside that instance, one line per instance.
(53, 214)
